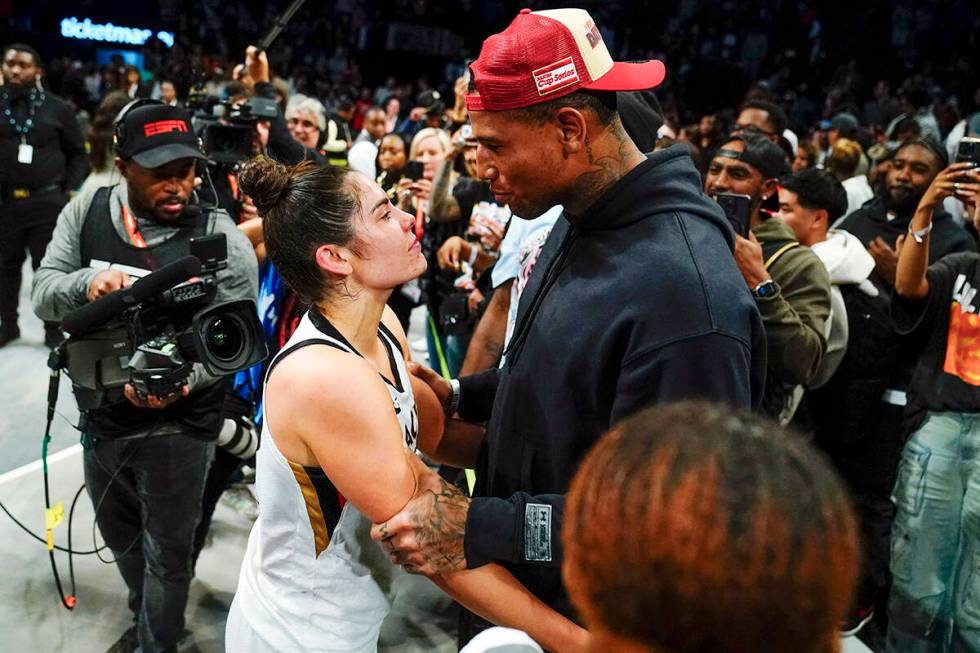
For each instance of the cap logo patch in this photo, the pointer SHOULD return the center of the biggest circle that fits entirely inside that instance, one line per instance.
(592, 34)
(164, 127)
(556, 76)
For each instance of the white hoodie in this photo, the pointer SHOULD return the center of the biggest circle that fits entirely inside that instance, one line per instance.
(847, 263)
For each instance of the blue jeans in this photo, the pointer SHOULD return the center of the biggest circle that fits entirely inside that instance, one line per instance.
(150, 490)
(934, 605)
(453, 348)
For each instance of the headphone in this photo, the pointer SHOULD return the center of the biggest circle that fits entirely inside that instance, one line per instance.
(118, 123)
(119, 136)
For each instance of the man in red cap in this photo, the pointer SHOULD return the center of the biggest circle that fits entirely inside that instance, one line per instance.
(635, 300)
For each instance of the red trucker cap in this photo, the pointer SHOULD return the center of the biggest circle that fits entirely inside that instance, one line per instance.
(543, 55)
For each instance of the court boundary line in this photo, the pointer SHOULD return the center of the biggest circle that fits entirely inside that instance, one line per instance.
(37, 465)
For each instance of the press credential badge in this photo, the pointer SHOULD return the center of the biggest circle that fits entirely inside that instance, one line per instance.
(25, 153)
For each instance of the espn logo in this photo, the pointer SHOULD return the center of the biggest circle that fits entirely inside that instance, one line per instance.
(164, 127)
(555, 77)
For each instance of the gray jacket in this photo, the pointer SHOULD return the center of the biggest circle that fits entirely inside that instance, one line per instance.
(61, 282)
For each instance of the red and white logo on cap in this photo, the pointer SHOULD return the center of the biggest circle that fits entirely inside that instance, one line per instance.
(555, 77)
(547, 54)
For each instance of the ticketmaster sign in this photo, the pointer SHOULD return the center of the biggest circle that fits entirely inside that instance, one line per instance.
(86, 30)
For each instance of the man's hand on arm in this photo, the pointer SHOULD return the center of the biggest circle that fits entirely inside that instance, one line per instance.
(440, 386)
(426, 537)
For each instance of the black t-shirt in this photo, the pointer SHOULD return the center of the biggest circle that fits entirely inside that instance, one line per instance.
(948, 374)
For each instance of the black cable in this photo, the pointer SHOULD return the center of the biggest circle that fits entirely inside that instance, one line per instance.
(44, 541)
(53, 383)
(105, 492)
(71, 558)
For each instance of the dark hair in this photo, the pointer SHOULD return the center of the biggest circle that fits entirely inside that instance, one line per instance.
(775, 115)
(23, 47)
(602, 103)
(818, 189)
(938, 151)
(762, 154)
(810, 150)
(906, 125)
(916, 93)
(235, 89)
(692, 527)
(101, 130)
(303, 207)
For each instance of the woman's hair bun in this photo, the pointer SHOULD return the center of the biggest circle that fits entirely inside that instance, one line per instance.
(266, 182)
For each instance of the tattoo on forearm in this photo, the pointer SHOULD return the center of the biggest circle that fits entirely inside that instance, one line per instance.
(440, 188)
(440, 520)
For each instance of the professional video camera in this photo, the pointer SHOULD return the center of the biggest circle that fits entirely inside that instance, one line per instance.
(151, 333)
(227, 128)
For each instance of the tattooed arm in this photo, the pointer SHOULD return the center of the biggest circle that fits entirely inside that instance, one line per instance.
(487, 345)
(317, 424)
(438, 512)
(443, 207)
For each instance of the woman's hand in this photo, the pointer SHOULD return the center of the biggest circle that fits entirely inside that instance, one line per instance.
(474, 299)
(403, 190)
(257, 64)
(960, 179)
(421, 189)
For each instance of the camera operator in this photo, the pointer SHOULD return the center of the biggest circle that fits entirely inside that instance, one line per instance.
(146, 457)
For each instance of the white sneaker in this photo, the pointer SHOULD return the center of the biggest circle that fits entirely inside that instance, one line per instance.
(240, 499)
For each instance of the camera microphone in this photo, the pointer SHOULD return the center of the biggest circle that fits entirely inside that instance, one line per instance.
(106, 308)
(98, 312)
(165, 278)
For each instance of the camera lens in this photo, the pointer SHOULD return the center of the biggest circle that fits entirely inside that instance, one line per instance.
(225, 339)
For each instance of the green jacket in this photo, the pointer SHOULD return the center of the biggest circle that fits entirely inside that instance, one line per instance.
(795, 317)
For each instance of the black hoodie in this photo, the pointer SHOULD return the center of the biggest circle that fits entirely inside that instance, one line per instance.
(637, 302)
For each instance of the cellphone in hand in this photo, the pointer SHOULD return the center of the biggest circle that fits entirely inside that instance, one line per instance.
(414, 170)
(736, 208)
(968, 150)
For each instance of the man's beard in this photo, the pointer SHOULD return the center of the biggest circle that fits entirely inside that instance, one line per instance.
(18, 90)
(902, 199)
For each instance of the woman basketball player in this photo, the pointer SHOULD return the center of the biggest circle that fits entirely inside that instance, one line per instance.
(341, 430)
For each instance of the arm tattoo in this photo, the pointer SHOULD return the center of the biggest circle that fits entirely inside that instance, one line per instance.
(440, 520)
(440, 200)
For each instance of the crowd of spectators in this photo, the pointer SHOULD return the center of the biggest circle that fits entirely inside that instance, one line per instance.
(843, 163)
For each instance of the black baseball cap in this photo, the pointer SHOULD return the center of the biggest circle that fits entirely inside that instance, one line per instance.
(760, 153)
(156, 134)
(431, 101)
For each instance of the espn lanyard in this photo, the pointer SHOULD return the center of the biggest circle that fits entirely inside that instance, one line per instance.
(132, 230)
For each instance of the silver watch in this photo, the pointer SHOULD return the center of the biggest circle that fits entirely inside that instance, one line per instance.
(919, 235)
(454, 400)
